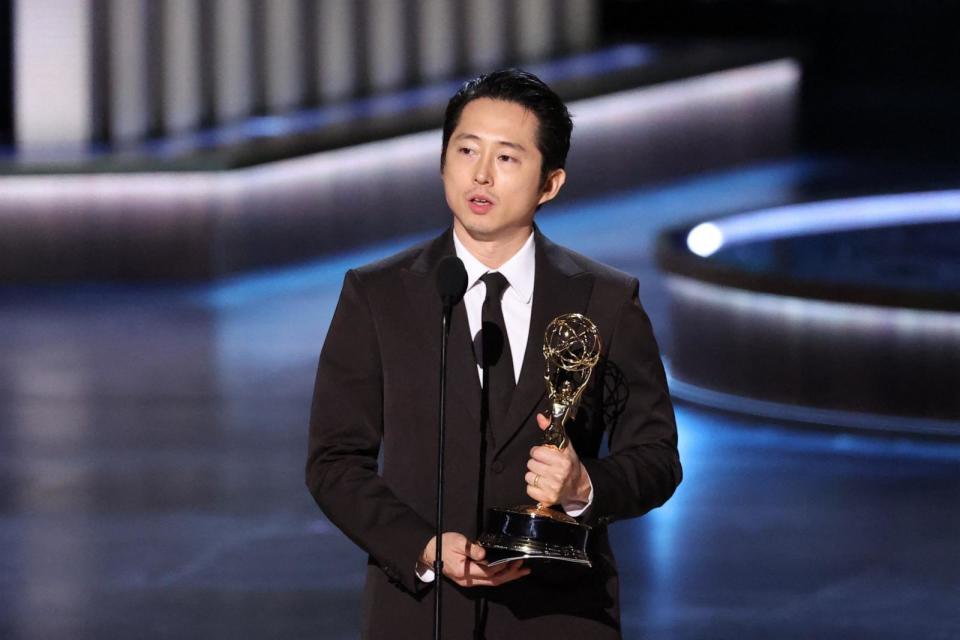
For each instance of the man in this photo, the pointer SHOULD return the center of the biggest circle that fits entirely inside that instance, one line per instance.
(505, 141)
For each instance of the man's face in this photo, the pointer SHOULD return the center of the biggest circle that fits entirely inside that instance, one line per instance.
(491, 171)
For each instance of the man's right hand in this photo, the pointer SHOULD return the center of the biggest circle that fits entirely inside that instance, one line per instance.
(463, 563)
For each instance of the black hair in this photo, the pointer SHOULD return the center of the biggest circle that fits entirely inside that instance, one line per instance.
(530, 92)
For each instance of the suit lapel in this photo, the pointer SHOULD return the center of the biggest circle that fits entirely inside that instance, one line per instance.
(463, 384)
(560, 286)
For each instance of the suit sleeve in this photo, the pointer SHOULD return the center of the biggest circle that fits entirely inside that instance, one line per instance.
(345, 433)
(642, 469)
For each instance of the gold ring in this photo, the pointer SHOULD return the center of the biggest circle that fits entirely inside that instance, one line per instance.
(536, 481)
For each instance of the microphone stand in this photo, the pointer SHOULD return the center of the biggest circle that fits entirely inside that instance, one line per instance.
(438, 560)
(451, 285)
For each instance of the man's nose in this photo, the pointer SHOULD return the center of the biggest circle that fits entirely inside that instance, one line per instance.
(482, 173)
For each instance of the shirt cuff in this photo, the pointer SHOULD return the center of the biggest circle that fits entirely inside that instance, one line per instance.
(574, 509)
(425, 573)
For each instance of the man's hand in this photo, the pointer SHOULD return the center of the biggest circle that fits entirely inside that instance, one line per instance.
(463, 563)
(555, 476)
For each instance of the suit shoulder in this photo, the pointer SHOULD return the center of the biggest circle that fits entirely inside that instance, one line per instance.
(400, 260)
(603, 273)
(388, 268)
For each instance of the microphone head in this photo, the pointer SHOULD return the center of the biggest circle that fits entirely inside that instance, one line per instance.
(451, 280)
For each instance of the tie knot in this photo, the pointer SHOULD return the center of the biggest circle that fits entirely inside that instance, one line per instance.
(496, 283)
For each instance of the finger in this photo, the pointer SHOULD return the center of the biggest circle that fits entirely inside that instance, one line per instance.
(544, 496)
(557, 467)
(484, 572)
(543, 468)
(471, 551)
(475, 552)
(492, 572)
(503, 568)
(539, 467)
(546, 454)
(454, 542)
(542, 482)
(543, 421)
(455, 569)
(515, 572)
(556, 475)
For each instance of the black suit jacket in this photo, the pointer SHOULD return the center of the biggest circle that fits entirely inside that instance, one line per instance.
(372, 450)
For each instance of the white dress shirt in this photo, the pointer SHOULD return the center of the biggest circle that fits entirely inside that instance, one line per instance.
(517, 301)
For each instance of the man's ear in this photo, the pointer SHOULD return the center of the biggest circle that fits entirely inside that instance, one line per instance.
(551, 186)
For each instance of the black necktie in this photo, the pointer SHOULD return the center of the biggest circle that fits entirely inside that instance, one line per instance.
(496, 359)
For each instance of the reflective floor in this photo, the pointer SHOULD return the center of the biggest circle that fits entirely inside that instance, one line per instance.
(151, 461)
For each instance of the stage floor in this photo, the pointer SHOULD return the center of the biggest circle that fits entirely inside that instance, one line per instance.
(152, 445)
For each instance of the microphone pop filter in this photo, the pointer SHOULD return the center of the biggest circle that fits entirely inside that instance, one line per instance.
(451, 280)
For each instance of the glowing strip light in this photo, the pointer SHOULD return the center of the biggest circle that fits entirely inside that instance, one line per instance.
(871, 212)
(664, 102)
(695, 394)
(860, 318)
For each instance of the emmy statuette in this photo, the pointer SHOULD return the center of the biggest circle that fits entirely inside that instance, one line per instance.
(571, 348)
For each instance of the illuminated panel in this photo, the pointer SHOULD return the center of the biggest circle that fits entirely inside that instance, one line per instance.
(129, 113)
(182, 105)
(336, 70)
(535, 29)
(283, 42)
(385, 40)
(486, 33)
(53, 93)
(438, 39)
(232, 60)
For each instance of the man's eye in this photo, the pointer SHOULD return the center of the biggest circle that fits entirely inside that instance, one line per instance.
(506, 158)
(465, 150)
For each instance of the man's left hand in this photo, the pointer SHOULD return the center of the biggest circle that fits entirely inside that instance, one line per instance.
(556, 476)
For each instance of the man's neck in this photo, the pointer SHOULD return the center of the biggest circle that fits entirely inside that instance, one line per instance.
(493, 253)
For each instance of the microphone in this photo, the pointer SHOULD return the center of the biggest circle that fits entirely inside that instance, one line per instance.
(451, 281)
(451, 285)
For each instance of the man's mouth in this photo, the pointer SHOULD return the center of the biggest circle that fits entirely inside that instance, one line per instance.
(480, 204)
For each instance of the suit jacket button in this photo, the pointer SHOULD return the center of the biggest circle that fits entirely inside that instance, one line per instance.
(497, 467)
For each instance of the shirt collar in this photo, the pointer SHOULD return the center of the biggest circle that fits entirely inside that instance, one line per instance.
(519, 270)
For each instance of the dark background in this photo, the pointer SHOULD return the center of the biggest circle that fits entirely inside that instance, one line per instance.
(880, 76)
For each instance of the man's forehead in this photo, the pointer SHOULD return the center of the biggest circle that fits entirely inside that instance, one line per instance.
(500, 120)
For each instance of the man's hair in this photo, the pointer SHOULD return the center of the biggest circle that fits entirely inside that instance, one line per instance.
(527, 90)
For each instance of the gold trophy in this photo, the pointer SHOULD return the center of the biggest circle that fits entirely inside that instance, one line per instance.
(571, 348)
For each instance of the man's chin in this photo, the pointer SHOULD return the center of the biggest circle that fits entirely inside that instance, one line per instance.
(488, 233)
(479, 232)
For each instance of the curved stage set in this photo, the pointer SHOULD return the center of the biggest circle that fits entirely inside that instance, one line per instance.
(153, 433)
(838, 312)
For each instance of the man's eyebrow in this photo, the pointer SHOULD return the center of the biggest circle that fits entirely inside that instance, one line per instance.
(513, 145)
(505, 143)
